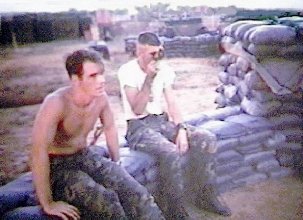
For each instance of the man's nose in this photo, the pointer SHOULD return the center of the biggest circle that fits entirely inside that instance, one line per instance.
(156, 56)
(101, 79)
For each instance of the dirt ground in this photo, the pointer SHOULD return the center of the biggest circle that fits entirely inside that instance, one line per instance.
(28, 73)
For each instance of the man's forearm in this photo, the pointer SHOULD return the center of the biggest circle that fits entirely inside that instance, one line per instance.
(41, 172)
(176, 115)
(143, 96)
(112, 142)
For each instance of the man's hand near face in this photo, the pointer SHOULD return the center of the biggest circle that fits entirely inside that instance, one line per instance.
(151, 69)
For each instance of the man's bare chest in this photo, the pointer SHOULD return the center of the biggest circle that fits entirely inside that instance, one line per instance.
(80, 121)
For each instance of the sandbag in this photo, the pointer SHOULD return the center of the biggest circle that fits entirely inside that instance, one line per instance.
(230, 29)
(273, 34)
(223, 77)
(243, 28)
(253, 107)
(221, 101)
(232, 69)
(291, 51)
(288, 73)
(230, 92)
(235, 80)
(291, 21)
(253, 81)
(226, 59)
(242, 64)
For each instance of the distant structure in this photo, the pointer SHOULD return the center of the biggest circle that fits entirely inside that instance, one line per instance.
(18, 29)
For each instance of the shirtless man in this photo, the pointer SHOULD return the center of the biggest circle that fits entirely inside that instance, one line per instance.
(69, 178)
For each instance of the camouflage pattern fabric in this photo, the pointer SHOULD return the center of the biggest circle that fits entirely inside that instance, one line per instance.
(181, 177)
(100, 188)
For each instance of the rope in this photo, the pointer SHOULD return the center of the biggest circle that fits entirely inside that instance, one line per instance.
(98, 131)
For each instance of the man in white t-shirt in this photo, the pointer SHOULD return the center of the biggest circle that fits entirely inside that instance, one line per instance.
(146, 85)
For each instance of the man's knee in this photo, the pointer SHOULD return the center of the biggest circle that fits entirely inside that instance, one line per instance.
(74, 177)
(73, 184)
(203, 141)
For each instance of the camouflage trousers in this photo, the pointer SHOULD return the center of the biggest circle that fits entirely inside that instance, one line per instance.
(100, 188)
(182, 177)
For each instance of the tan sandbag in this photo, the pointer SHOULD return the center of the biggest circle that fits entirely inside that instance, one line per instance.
(243, 28)
(237, 49)
(230, 91)
(253, 81)
(256, 108)
(227, 59)
(230, 29)
(288, 73)
(263, 95)
(220, 88)
(242, 89)
(232, 69)
(294, 51)
(273, 34)
(291, 21)
(221, 101)
(223, 77)
(242, 64)
(234, 80)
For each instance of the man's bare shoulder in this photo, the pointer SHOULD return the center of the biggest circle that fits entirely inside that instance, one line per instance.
(102, 102)
(57, 99)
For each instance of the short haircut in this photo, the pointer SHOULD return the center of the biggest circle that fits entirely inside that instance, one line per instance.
(74, 61)
(149, 38)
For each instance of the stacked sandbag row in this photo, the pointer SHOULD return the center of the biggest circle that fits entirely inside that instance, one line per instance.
(42, 27)
(145, 172)
(263, 74)
(260, 57)
(144, 169)
(198, 46)
(246, 147)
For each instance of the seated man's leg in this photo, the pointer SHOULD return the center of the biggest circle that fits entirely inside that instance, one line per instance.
(154, 143)
(80, 190)
(137, 202)
(29, 212)
(200, 172)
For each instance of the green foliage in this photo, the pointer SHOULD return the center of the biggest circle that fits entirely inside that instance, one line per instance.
(263, 14)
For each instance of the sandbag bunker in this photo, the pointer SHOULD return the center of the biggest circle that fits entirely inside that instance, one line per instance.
(262, 76)
(203, 45)
(258, 123)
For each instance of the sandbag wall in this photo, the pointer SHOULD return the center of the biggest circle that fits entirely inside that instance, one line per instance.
(262, 74)
(198, 46)
(42, 27)
(246, 147)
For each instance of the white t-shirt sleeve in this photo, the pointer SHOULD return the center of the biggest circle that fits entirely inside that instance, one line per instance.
(126, 77)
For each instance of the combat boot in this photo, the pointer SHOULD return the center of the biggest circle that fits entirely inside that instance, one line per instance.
(208, 200)
(178, 211)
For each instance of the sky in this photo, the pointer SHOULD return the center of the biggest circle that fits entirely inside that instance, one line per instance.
(90, 5)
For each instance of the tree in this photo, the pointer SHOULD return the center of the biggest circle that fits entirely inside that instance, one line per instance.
(151, 12)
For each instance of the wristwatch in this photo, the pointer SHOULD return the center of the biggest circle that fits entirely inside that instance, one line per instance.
(181, 126)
